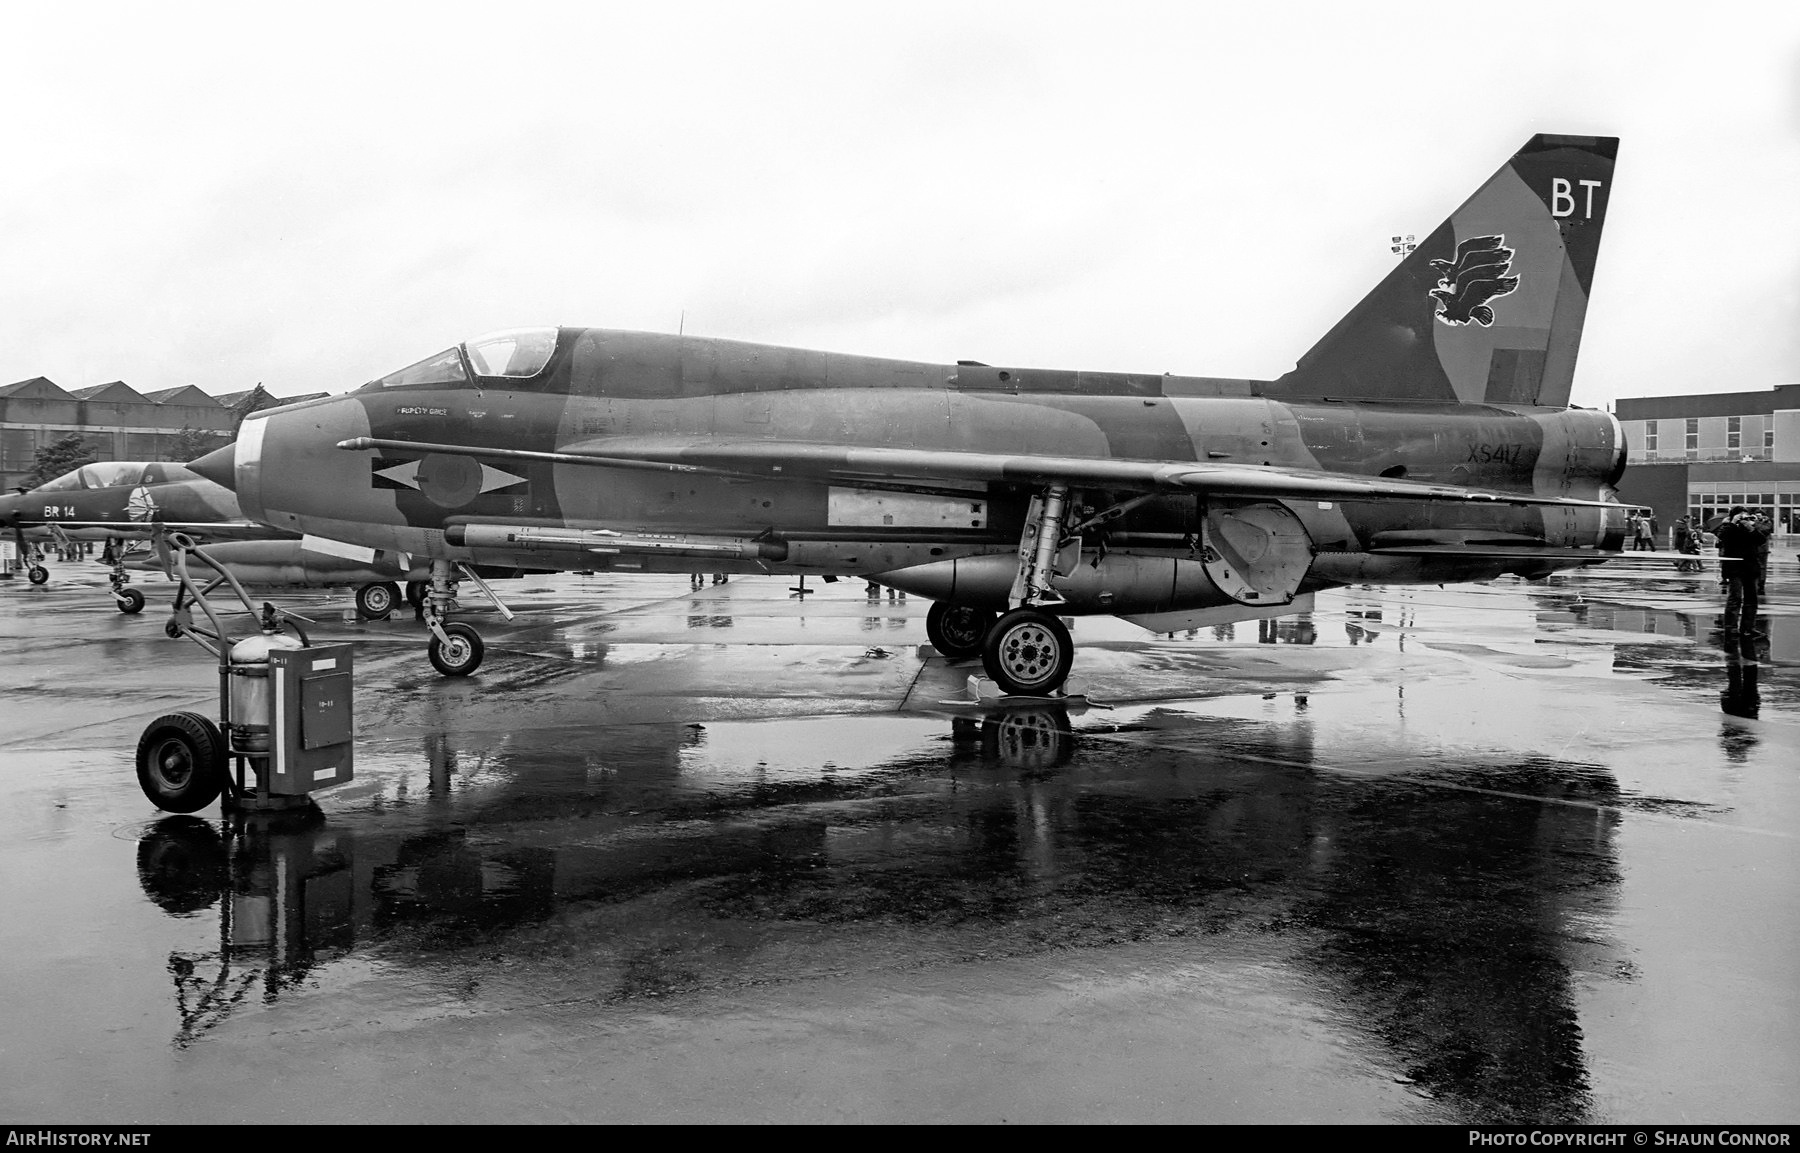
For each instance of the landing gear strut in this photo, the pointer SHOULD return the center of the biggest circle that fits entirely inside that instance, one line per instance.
(455, 649)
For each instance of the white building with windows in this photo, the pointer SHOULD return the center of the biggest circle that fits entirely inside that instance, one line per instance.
(1703, 453)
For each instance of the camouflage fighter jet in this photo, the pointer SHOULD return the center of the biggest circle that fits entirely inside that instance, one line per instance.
(1408, 446)
(128, 501)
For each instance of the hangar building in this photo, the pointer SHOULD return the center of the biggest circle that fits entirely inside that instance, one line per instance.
(117, 421)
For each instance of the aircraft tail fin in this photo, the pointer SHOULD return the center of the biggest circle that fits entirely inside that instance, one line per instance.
(1489, 307)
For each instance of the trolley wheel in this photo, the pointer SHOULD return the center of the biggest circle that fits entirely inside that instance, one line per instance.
(957, 631)
(375, 601)
(181, 762)
(131, 602)
(181, 865)
(415, 592)
(461, 656)
(172, 630)
(37, 574)
(1028, 653)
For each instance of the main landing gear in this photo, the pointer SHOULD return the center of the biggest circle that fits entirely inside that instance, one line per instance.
(1026, 651)
(375, 601)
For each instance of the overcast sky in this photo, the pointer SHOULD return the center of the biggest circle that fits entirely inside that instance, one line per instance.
(309, 196)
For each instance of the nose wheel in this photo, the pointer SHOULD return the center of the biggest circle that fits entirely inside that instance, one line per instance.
(458, 652)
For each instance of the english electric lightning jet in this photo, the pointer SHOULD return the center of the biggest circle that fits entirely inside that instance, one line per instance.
(1424, 439)
(127, 501)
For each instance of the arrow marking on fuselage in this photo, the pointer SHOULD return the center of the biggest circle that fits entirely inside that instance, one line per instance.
(493, 478)
(406, 474)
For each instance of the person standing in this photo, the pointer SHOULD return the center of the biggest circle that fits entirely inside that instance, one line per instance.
(1767, 527)
(1741, 536)
(1687, 544)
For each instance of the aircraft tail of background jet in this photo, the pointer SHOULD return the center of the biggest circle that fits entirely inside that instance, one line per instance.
(1489, 308)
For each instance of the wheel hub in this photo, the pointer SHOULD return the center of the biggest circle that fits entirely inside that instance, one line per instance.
(173, 764)
(1027, 652)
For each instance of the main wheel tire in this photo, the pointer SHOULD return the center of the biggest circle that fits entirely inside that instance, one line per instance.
(415, 592)
(181, 762)
(131, 602)
(462, 655)
(375, 601)
(37, 574)
(1028, 653)
(957, 631)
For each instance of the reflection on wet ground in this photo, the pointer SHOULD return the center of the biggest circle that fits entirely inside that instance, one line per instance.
(1427, 818)
(1448, 924)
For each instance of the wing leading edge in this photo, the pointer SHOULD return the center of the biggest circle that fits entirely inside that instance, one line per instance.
(909, 468)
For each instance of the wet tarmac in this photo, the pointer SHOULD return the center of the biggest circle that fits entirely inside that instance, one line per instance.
(1512, 852)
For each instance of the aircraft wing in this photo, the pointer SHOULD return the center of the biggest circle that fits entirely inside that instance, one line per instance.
(910, 468)
(201, 529)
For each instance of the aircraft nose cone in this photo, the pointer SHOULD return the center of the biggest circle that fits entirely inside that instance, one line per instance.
(218, 466)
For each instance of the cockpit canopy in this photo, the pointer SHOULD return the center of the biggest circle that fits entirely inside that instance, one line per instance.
(118, 473)
(515, 354)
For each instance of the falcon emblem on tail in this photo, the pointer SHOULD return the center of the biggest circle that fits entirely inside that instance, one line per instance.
(1477, 276)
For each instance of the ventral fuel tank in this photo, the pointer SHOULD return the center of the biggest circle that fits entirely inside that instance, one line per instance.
(1252, 554)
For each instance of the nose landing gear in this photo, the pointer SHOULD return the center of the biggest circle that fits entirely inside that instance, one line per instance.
(129, 600)
(456, 648)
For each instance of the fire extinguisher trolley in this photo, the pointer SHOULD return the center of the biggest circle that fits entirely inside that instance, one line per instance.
(285, 727)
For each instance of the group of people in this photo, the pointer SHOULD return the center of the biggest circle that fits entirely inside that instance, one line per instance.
(1743, 536)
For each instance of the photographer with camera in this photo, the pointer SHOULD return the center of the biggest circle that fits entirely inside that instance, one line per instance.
(1741, 538)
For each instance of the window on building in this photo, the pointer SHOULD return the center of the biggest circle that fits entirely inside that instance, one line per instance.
(18, 449)
(1650, 437)
(1692, 445)
(1734, 432)
(142, 446)
(1769, 435)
